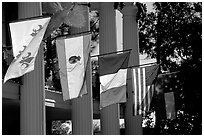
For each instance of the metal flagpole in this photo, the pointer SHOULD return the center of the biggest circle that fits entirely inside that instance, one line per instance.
(111, 53)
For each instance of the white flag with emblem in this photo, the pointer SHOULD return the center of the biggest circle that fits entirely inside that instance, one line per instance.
(73, 56)
(26, 39)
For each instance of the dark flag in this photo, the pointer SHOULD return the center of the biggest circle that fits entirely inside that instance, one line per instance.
(166, 87)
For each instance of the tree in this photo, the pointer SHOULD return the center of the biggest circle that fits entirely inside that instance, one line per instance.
(177, 27)
(173, 35)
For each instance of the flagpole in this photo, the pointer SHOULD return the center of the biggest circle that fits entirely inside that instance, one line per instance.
(111, 53)
(143, 65)
(71, 36)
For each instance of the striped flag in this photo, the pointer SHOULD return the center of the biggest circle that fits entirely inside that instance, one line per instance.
(113, 75)
(143, 87)
(26, 39)
(73, 56)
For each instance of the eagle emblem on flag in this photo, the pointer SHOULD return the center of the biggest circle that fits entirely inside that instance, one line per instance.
(74, 59)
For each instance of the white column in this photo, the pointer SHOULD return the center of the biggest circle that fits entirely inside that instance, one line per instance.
(107, 42)
(133, 124)
(82, 108)
(32, 95)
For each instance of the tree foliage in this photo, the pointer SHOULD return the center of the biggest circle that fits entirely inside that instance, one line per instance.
(173, 35)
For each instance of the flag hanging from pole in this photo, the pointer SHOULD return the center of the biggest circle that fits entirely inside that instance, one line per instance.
(113, 75)
(73, 56)
(167, 87)
(143, 87)
(26, 39)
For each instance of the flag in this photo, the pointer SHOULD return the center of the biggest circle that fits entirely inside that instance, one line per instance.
(112, 75)
(26, 39)
(73, 56)
(166, 87)
(143, 87)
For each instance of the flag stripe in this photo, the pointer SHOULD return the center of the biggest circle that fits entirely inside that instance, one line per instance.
(113, 80)
(144, 88)
(150, 95)
(86, 49)
(139, 87)
(135, 90)
(148, 98)
(63, 68)
(113, 96)
(112, 63)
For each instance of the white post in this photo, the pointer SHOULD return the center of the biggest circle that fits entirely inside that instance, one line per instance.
(108, 43)
(32, 94)
(82, 108)
(133, 124)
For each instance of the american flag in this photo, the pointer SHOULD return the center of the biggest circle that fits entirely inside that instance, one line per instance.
(143, 87)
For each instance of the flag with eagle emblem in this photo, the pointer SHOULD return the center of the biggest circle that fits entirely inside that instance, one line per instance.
(73, 56)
